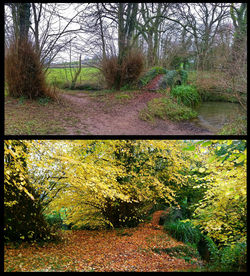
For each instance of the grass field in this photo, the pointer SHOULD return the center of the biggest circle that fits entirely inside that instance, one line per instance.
(60, 77)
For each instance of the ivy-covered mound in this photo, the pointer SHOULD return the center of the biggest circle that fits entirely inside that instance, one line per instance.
(170, 79)
(151, 74)
(173, 78)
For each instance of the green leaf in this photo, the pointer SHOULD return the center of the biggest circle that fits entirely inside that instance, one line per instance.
(241, 158)
(190, 148)
(207, 143)
(211, 159)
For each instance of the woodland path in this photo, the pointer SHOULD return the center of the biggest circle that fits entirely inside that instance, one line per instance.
(106, 115)
(126, 249)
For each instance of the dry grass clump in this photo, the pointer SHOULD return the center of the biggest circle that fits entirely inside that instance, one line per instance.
(117, 75)
(110, 70)
(24, 73)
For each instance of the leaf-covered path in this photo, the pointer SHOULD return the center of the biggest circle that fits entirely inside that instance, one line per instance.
(134, 249)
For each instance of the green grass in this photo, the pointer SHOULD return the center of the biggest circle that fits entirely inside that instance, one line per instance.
(24, 116)
(186, 94)
(166, 108)
(60, 77)
(122, 97)
(183, 231)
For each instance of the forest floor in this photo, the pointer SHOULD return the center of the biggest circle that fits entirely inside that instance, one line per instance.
(143, 248)
(91, 113)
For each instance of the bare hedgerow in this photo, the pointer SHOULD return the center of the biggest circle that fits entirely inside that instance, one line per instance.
(24, 74)
(117, 75)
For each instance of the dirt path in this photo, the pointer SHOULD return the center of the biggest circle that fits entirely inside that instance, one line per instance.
(105, 115)
(92, 113)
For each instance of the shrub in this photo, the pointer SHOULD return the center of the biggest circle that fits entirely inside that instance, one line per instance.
(24, 220)
(238, 126)
(171, 77)
(174, 214)
(110, 70)
(87, 86)
(207, 248)
(184, 76)
(159, 70)
(183, 231)
(186, 94)
(234, 257)
(133, 67)
(24, 73)
(117, 75)
(54, 219)
(146, 78)
(231, 258)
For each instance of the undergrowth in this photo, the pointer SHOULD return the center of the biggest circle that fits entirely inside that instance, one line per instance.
(225, 258)
(237, 127)
(186, 94)
(184, 232)
(166, 108)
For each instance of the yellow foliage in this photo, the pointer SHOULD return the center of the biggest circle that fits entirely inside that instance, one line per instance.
(222, 213)
(99, 172)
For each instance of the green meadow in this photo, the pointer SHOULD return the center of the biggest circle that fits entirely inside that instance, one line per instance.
(62, 77)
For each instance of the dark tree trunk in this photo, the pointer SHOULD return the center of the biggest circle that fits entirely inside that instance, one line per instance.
(21, 20)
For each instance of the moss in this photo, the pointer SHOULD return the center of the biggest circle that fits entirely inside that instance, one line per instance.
(151, 74)
(159, 70)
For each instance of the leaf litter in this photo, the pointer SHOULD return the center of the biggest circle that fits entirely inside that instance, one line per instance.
(139, 249)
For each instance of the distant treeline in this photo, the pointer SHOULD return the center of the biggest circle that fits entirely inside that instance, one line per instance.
(63, 66)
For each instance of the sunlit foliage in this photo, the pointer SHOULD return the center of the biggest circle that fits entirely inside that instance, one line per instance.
(114, 183)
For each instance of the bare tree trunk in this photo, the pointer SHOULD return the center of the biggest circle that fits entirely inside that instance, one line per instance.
(21, 20)
(37, 18)
(77, 73)
(125, 31)
(102, 33)
(239, 17)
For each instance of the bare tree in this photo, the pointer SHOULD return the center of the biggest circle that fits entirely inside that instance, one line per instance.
(201, 20)
(149, 27)
(21, 20)
(50, 29)
(239, 18)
